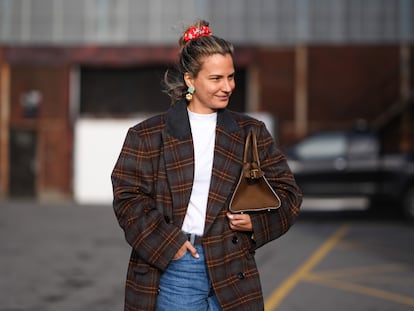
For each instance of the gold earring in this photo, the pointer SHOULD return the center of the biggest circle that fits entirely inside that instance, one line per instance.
(190, 92)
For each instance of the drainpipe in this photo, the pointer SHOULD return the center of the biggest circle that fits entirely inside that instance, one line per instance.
(301, 68)
(301, 91)
(4, 127)
(406, 143)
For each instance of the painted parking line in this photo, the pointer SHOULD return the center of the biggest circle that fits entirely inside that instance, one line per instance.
(349, 279)
(300, 274)
(352, 286)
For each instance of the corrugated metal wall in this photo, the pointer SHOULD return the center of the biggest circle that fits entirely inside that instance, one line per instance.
(262, 22)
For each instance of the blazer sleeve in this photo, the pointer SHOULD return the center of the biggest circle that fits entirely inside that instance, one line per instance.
(133, 180)
(270, 225)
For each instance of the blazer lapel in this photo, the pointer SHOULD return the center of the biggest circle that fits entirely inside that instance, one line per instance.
(228, 155)
(179, 157)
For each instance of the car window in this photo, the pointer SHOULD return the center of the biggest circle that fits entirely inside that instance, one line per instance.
(363, 146)
(322, 146)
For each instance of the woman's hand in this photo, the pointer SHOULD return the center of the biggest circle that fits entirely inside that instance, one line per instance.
(240, 222)
(187, 246)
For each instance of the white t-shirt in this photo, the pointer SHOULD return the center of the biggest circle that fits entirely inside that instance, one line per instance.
(203, 130)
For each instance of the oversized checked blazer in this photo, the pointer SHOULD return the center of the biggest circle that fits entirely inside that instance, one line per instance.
(152, 183)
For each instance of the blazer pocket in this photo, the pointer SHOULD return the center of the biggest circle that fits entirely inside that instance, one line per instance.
(141, 268)
(144, 275)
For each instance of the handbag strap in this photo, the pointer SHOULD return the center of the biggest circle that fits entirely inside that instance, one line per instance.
(251, 169)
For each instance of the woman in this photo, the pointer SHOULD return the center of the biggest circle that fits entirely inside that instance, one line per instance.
(172, 184)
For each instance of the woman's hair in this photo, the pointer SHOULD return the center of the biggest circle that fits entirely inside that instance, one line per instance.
(196, 43)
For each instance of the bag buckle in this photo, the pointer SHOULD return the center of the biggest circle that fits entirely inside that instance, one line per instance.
(254, 173)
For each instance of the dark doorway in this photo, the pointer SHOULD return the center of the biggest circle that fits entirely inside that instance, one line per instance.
(22, 163)
(119, 92)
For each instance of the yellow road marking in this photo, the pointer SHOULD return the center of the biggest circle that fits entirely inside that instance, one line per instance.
(362, 290)
(361, 270)
(286, 287)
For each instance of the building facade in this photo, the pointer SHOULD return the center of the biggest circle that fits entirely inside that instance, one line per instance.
(74, 75)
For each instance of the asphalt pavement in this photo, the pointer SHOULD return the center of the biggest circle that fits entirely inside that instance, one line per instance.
(60, 257)
(66, 257)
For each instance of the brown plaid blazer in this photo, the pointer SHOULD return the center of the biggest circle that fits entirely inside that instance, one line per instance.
(152, 183)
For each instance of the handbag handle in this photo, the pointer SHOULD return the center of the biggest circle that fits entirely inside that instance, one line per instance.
(251, 169)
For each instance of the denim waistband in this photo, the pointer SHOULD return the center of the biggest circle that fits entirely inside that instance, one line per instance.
(194, 239)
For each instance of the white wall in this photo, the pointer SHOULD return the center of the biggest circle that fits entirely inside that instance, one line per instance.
(97, 145)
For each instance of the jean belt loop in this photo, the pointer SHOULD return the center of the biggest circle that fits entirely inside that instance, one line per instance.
(192, 238)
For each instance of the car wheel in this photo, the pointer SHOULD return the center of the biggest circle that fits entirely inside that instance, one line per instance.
(408, 204)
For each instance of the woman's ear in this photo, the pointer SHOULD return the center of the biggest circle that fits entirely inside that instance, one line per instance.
(188, 79)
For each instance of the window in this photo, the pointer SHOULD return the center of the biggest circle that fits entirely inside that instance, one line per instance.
(323, 146)
(120, 92)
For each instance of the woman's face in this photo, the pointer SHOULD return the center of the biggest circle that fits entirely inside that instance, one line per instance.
(213, 85)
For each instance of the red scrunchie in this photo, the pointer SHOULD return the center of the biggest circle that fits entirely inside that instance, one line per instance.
(194, 33)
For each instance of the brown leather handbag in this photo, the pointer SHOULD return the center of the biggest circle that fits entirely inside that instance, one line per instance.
(253, 192)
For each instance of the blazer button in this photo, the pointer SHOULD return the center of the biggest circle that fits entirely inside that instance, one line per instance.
(235, 240)
(241, 276)
(167, 219)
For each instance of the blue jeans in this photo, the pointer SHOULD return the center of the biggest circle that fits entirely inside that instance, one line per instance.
(185, 286)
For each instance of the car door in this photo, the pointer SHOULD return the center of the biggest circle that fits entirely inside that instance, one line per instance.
(362, 171)
(336, 164)
(319, 162)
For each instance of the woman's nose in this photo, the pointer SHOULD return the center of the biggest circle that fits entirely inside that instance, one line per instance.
(228, 86)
